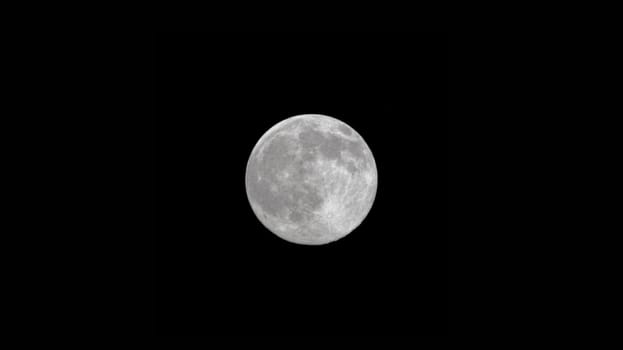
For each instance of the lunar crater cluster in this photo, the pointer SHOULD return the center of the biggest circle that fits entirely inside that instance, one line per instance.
(311, 179)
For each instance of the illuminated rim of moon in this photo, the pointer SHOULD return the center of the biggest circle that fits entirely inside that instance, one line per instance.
(304, 189)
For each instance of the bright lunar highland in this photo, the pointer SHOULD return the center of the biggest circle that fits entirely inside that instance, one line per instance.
(311, 179)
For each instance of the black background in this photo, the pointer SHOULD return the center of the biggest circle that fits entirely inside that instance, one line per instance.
(216, 269)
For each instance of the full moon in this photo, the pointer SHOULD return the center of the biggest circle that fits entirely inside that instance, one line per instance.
(311, 179)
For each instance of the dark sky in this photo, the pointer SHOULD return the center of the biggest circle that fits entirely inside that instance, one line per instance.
(217, 270)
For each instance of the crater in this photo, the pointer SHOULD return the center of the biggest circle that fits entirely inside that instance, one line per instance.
(345, 129)
(310, 139)
(296, 216)
(331, 147)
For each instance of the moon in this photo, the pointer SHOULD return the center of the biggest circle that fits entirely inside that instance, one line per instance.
(311, 179)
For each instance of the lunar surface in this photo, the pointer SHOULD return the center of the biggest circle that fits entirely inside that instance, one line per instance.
(311, 179)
